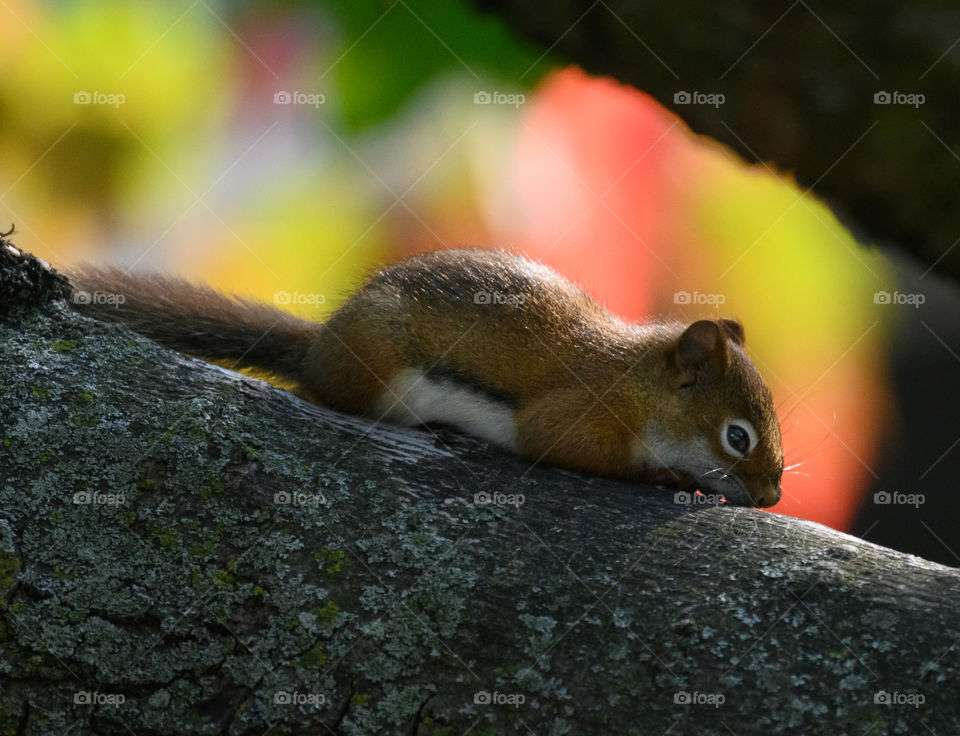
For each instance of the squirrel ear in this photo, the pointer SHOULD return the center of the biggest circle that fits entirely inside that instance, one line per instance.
(733, 329)
(701, 353)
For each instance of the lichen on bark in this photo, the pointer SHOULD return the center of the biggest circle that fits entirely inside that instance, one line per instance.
(186, 550)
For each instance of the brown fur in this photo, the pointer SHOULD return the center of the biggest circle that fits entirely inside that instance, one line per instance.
(196, 319)
(583, 384)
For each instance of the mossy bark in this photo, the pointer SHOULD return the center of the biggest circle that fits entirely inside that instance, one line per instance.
(155, 580)
(857, 102)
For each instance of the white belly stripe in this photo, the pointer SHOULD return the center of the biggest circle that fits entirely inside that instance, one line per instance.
(415, 398)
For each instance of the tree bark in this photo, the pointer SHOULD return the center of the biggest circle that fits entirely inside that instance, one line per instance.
(156, 578)
(858, 104)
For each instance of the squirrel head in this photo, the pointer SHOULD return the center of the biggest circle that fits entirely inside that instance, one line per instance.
(719, 431)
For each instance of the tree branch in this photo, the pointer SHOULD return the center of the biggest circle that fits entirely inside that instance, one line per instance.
(155, 581)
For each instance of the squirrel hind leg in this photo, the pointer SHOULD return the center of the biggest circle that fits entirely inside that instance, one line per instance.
(350, 364)
(358, 365)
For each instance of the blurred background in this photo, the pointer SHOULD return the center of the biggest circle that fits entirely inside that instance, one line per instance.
(289, 147)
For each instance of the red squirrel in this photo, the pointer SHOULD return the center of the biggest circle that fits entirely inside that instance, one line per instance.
(498, 347)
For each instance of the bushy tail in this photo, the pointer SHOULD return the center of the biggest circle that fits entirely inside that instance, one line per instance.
(196, 319)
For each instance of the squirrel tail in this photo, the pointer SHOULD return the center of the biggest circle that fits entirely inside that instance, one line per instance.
(196, 319)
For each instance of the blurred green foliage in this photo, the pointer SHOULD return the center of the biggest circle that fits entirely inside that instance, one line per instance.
(392, 48)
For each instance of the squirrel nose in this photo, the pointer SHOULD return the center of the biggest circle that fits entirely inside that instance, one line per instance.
(767, 496)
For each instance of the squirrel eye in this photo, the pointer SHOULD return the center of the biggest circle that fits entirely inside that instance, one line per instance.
(738, 437)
